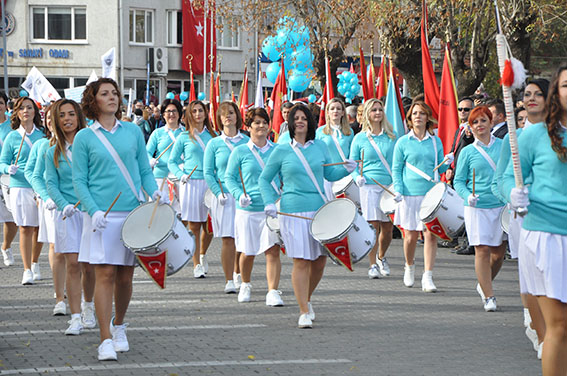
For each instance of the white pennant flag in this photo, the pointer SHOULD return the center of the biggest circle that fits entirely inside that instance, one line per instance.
(109, 64)
(259, 100)
(93, 77)
(39, 88)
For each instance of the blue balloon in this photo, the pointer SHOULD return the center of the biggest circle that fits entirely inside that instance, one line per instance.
(23, 93)
(348, 100)
(302, 58)
(269, 48)
(283, 39)
(312, 98)
(201, 96)
(353, 79)
(170, 95)
(183, 96)
(272, 72)
(299, 81)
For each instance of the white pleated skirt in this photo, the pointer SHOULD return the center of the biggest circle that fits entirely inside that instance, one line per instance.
(46, 218)
(252, 235)
(514, 229)
(68, 232)
(297, 239)
(483, 226)
(222, 217)
(191, 199)
(5, 213)
(370, 196)
(24, 207)
(105, 247)
(543, 263)
(407, 213)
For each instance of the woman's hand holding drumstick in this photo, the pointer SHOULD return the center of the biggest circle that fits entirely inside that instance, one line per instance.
(100, 220)
(383, 187)
(473, 198)
(74, 207)
(338, 163)
(185, 178)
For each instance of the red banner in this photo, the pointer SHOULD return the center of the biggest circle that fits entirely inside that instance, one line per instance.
(437, 229)
(340, 252)
(155, 266)
(195, 42)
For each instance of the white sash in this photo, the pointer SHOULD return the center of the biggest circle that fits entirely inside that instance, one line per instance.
(22, 133)
(334, 137)
(308, 170)
(118, 162)
(423, 174)
(170, 134)
(486, 156)
(201, 143)
(261, 162)
(380, 155)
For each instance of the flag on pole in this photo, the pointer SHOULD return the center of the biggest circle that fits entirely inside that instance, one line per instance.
(243, 96)
(192, 94)
(92, 78)
(195, 24)
(363, 79)
(430, 87)
(382, 87)
(259, 99)
(109, 64)
(279, 95)
(448, 115)
(39, 88)
(328, 92)
(371, 79)
(392, 108)
(213, 104)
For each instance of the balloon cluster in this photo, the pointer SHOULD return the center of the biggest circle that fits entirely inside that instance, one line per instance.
(292, 42)
(348, 85)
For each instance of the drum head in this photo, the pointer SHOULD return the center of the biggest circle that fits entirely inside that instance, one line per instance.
(172, 178)
(340, 185)
(387, 202)
(5, 180)
(333, 219)
(432, 199)
(209, 197)
(135, 231)
(274, 223)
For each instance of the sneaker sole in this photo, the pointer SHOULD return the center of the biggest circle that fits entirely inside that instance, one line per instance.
(243, 301)
(230, 291)
(108, 358)
(305, 326)
(428, 290)
(122, 350)
(276, 305)
(373, 277)
(89, 326)
(73, 333)
(59, 313)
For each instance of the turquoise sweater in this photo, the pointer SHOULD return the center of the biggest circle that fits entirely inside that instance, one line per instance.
(159, 140)
(192, 153)
(547, 211)
(96, 177)
(35, 168)
(373, 166)
(10, 152)
(216, 159)
(60, 180)
(469, 159)
(284, 138)
(344, 142)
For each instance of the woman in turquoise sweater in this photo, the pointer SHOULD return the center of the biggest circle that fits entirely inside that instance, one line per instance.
(189, 149)
(300, 196)
(477, 165)
(252, 235)
(217, 153)
(26, 122)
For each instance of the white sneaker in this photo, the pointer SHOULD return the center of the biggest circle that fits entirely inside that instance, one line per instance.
(119, 336)
(409, 275)
(274, 299)
(60, 309)
(383, 266)
(237, 278)
(373, 272)
(35, 271)
(427, 284)
(8, 257)
(311, 311)
(88, 315)
(204, 262)
(539, 350)
(106, 350)
(527, 317)
(75, 327)
(27, 278)
(198, 272)
(245, 292)
(532, 336)
(490, 304)
(229, 288)
(480, 292)
(304, 321)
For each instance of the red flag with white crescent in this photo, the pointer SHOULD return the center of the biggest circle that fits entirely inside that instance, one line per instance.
(155, 265)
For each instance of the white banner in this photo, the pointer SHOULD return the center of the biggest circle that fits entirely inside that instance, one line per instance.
(93, 77)
(109, 64)
(39, 88)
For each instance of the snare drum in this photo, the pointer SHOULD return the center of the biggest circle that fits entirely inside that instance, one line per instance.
(340, 228)
(5, 184)
(505, 219)
(347, 188)
(387, 203)
(442, 211)
(274, 224)
(167, 233)
(173, 188)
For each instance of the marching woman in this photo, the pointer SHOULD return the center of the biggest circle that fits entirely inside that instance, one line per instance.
(161, 141)
(376, 140)
(300, 165)
(415, 157)
(217, 153)
(337, 134)
(109, 158)
(252, 235)
(67, 120)
(189, 149)
(17, 145)
(542, 257)
(473, 181)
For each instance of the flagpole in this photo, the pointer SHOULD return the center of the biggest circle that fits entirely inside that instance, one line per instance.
(205, 48)
(4, 50)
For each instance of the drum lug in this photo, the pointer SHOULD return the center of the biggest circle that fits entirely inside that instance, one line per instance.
(368, 242)
(461, 217)
(175, 236)
(169, 268)
(178, 215)
(356, 228)
(444, 207)
(187, 251)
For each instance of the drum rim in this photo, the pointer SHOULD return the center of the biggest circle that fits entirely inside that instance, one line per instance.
(344, 189)
(339, 236)
(430, 216)
(501, 216)
(155, 245)
(386, 197)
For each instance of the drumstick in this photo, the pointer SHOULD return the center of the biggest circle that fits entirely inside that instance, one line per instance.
(362, 164)
(20, 150)
(440, 164)
(295, 216)
(383, 187)
(242, 181)
(191, 173)
(473, 180)
(110, 207)
(337, 163)
(74, 207)
(222, 190)
(166, 149)
(156, 204)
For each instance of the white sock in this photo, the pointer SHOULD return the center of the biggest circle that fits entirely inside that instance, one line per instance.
(75, 316)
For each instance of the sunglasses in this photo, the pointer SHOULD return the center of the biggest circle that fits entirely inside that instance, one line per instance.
(466, 109)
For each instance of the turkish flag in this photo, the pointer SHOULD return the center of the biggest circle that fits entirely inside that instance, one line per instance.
(339, 251)
(430, 87)
(448, 115)
(195, 42)
(155, 265)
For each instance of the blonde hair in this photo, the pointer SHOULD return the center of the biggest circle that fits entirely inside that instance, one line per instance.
(345, 127)
(385, 124)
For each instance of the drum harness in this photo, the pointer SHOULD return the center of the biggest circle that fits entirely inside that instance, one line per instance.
(380, 155)
(261, 162)
(421, 173)
(308, 170)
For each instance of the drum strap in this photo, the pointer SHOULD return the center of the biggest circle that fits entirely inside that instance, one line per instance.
(380, 155)
(419, 172)
(336, 141)
(261, 161)
(22, 133)
(171, 135)
(201, 143)
(486, 156)
(308, 170)
(118, 162)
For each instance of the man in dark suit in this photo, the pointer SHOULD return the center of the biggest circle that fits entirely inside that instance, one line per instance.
(463, 136)
(499, 126)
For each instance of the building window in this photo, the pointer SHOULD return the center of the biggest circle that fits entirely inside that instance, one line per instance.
(141, 26)
(174, 28)
(228, 36)
(59, 23)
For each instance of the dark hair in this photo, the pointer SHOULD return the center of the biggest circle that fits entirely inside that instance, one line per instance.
(315, 110)
(190, 122)
(430, 119)
(57, 128)
(478, 112)
(253, 112)
(138, 112)
(554, 114)
(88, 103)
(223, 108)
(498, 105)
(36, 117)
(174, 102)
(287, 105)
(543, 85)
(467, 99)
(311, 126)
(5, 97)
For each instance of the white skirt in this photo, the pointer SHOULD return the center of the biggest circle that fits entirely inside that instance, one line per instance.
(105, 247)
(24, 207)
(297, 239)
(543, 262)
(191, 197)
(173, 194)
(483, 226)
(252, 235)
(5, 213)
(222, 217)
(514, 228)
(407, 213)
(370, 196)
(46, 232)
(68, 232)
